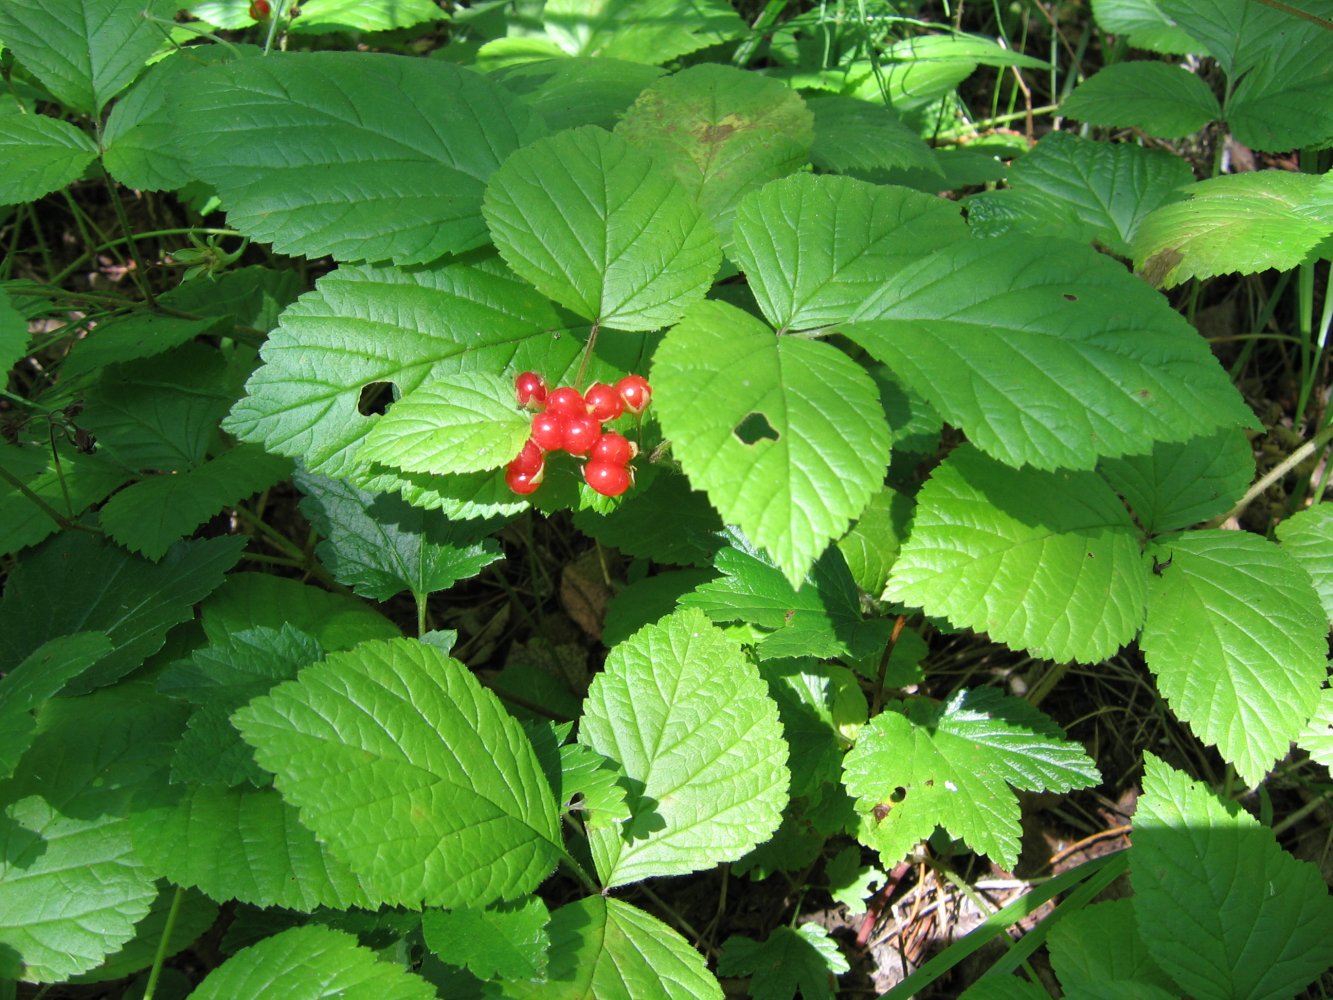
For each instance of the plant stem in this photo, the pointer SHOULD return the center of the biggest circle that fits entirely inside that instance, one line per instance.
(878, 701)
(140, 272)
(1277, 472)
(587, 354)
(163, 944)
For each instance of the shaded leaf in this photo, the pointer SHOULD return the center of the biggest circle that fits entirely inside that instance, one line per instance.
(858, 137)
(254, 600)
(41, 154)
(1102, 944)
(504, 941)
(803, 960)
(851, 882)
(578, 90)
(1161, 99)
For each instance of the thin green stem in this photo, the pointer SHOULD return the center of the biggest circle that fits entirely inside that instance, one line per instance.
(140, 272)
(42, 505)
(155, 234)
(421, 612)
(579, 871)
(163, 945)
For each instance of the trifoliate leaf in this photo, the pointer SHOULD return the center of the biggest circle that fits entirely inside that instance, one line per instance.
(599, 227)
(1163, 100)
(368, 327)
(1237, 222)
(861, 137)
(503, 941)
(604, 947)
(1223, 909)
(1043, 561)
(1000, 334)
(1180, 484)
(1317, 737)
(308, 963)
(783, 447)
(689, 720)
(804, 961)
(1236, 637)
(598, 783)
(262, 600)
(314, 152)
(1307, 536)
(924, 763)
(41, 154)
(397, 736)
(1101, 944)
(813, 248)
(851, 882)
(379, 545)
(723, 131)
(645, 31)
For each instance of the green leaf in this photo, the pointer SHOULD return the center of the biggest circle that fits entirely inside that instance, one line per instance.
(1108, 188)
(71, 884)
(1223, 909)
(1163, 100)
(604, 947)
(854, 137)
(1145, 26)
(812, 461)
(851, 882)
(871, 545)
(308, 963)
(461, 422)
(1000, 334)
(645, 31)
(723, 132)
(316, 153)
(599, 227)
(1238, 222)
(1102, 944)
(249, 296)
(129, 338)
(803, 960)
(41, 154)
(28, 686)
(244, 844)
(251, 600)
(76, 583)
(921, 763)
(813, 248)
(84, 51)
(821, 707)
(151, 515)
(1237, 639)
(578, 90)
(957, 48)
(363, 326)
(195, 914)
(504, 941)
(396, 736)
(1182, 484)
(1043, 561)
(668, 523)
(598, 783)
(689, 720)
(644, 601)
(321, 16)
(380, 546)
(13, 333)
(1307, 536)
(1317, 737)
(68, 486)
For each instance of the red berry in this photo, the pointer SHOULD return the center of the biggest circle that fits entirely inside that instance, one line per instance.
(566, 401)
(531, 388)
(614, 448)
(548, 431)
(260, 10)
(529, 460)
(604, 402)
(581, 433)
(523, 483)
(636, 392)
(607, 478)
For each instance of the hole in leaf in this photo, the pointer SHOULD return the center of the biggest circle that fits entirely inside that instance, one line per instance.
(755, 428)
(1070, 297)
(898, 795)
(375, 399)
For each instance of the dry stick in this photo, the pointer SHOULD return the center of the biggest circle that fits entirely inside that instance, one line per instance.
(878, 701)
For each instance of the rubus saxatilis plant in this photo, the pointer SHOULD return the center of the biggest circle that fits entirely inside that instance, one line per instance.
(876, 413)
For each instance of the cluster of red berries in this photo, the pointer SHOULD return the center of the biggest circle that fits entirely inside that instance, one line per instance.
(568, 420)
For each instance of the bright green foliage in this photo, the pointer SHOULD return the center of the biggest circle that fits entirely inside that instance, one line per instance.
(1182, 484)
(813, 248)
(1105, 189)
(380, 546)
(646, 31)
(1161, 99)
(861, 137)
(923, 763)
(1317, 738)
(1307, 536)
(784, 449)
(723, 132)
(315, 167)
(1145, 25)
(1237, 222)
(76, 583)
(395, 735)
(599, 227)
(319, 16)
(506, 940)
(850, 881)
(71, 884)
(689, 720)
(803, 960)
(462, 422)
(425, 323)
(28, 686)
(255, 600)
(1043, 561)
(158, 511)
(1100, 945)
(308, 963)
(871, 545)
(821, 706)
(1222, 908)
(195, 915)
(1236, 637)
(41, 154)
(577, 90)
(83, 51)
(604, 947)
(598, 783)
